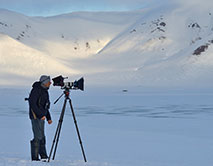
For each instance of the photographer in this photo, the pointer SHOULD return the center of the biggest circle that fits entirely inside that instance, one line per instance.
(39, 105)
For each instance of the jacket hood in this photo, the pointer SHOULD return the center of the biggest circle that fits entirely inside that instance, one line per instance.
(37, 85)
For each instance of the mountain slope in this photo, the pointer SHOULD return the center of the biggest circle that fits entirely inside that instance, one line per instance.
(165, 46)
(20, 61)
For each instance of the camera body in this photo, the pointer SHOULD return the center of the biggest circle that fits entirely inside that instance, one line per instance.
(59, 81)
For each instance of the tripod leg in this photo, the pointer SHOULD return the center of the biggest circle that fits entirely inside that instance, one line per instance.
(61, 120)
(58, 131)
(78, 133)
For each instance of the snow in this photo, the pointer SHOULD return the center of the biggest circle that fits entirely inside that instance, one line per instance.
(117, 128)
(152, 46)
(29, 64)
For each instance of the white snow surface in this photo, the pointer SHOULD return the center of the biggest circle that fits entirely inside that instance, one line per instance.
(117, 129)
(152, 47)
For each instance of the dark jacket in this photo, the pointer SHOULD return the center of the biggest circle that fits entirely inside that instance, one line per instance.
(39, 102)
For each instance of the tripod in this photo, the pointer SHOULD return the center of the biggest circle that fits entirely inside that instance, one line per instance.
(58, 130)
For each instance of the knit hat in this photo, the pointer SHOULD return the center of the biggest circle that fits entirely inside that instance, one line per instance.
(44, 79)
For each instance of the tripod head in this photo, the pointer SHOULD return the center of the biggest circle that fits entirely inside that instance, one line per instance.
(66, 93)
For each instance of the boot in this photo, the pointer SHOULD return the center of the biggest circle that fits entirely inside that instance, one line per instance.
(42, 149)
(34, 150)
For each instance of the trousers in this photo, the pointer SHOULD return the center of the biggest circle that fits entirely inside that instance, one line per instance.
(38, 144)
(38, 129)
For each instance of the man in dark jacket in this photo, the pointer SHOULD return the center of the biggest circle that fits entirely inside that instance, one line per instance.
(39, 105)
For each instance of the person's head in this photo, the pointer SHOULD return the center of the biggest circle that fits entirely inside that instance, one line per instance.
(45, 81)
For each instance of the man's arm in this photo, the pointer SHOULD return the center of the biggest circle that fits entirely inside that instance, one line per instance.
(48, 115)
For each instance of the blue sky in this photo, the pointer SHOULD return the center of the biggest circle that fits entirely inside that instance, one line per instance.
(54, 7)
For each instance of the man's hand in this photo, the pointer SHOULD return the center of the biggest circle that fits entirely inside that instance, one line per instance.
(43, 118)
(50, 121)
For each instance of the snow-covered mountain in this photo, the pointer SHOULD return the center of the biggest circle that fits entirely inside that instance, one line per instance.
(166, 46)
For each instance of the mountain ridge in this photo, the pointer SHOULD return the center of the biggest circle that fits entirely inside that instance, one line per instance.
(167, 46)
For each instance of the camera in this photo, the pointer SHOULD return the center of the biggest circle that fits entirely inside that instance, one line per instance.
(59, 81)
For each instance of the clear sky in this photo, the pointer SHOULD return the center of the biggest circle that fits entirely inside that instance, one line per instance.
(54, 7)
